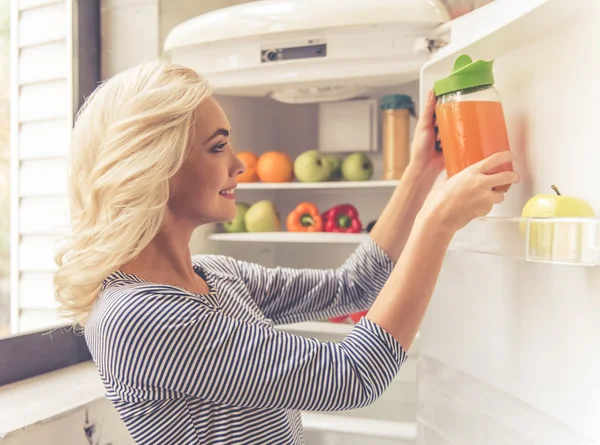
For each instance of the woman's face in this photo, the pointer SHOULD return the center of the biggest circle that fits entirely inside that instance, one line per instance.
(202, 191)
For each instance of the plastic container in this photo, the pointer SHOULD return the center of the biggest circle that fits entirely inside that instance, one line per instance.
(470, 117)
(396, 109)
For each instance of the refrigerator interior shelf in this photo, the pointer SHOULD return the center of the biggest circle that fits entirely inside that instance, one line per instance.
(316, 185)
(317, 327)
(292, 237)
(574, 241)
(328, 331)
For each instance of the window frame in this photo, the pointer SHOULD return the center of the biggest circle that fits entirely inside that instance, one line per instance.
(27, 355)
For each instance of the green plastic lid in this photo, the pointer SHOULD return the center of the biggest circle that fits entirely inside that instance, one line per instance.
(398, 101)
(466, 74)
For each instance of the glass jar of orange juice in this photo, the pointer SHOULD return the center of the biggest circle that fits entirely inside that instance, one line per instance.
(470, 117)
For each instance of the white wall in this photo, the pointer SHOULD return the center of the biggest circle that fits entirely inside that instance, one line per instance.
(129, 33)
(173, 12)
(41, 121)
(534, 329)
(134, 30)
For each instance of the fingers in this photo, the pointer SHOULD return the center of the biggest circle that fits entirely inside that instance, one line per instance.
(426, 117)
(501, 178)
(496, 197)
(495, 160)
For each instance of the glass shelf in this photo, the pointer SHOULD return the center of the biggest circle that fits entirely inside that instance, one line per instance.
(334, 185)
(291, 237)
(573, 241)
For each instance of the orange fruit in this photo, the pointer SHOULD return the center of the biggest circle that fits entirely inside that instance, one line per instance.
(251, 161)
(275, 166)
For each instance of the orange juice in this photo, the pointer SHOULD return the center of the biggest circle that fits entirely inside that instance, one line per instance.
(470, 131)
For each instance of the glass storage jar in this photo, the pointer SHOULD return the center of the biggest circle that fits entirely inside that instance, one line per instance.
(396, 110)
(470, 117)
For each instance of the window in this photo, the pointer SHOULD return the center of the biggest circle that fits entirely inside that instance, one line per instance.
(4, 168)
(46, 95)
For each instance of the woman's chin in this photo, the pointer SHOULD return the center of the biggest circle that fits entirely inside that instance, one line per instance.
(223, 213)
(220, 218)
(229, 216)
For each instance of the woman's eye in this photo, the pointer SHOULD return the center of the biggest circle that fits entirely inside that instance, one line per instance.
(220, 147)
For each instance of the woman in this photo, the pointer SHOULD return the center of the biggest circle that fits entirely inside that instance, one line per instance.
(186, 346)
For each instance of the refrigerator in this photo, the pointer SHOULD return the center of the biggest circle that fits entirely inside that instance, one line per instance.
(508, 350)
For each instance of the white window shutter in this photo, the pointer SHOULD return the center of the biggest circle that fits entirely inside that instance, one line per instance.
(42, 114)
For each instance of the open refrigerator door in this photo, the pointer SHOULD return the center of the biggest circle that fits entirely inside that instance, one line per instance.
(510, 339)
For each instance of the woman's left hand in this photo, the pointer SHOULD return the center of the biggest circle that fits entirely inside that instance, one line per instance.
(425, 160)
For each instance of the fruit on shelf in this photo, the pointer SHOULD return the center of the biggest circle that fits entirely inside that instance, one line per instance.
(305, 218)
(275, 166)
(237, 224)
(335, 165)
(342, 219)
(357, 316)
(349, 318)
(357, 167)
(262, 216)
(553, 239)
(251, 161)
(312, 166)
(556, 206)
(370, 226)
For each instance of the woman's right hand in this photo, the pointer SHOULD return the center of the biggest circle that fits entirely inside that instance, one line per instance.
(469, 194)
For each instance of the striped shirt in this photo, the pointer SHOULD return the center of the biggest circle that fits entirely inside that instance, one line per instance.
(186, 368)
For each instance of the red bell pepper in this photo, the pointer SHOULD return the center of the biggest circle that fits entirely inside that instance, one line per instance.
(357, 316)
(343, 218)
(354, 317)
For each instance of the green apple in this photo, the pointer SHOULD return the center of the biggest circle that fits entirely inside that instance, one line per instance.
(237, 224)
(262, 216)
(555, 240)
(335, 165)
(357, 167)
(312, 166)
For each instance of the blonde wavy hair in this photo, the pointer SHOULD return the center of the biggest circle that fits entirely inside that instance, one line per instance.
(130, 137)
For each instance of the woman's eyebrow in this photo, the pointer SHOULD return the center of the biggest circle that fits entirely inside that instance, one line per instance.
(219, 132)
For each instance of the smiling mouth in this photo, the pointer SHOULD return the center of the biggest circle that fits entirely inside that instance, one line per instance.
(227, 192)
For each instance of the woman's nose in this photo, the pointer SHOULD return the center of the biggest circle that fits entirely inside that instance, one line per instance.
(238, 166)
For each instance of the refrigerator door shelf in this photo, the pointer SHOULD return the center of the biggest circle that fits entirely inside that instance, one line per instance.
(570, 241)
(331, 429)
(456, 408)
